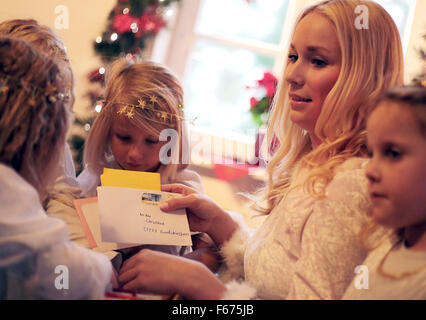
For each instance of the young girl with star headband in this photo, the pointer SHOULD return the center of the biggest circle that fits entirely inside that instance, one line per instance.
(142, 102)
(143, 105)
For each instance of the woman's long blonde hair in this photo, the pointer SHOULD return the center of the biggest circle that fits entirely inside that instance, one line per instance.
(372, 62)
(127, 83)
(34, 118)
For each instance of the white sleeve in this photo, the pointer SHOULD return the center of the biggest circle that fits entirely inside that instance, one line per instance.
(33, 255)
(68, 271)
(239, 291)
(62, 271)
(232, 270)
(33, 245)
(233, 250)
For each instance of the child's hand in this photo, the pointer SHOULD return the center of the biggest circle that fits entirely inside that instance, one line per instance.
(203, 213)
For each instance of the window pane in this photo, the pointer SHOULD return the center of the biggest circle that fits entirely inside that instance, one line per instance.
(257, 20)
(398, 9)
(215, 85)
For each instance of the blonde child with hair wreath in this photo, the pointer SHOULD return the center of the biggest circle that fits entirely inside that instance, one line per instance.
(60, 201)
(317, 201)
(47, 41)
(143, 105)
(34, 119)
(396, 132)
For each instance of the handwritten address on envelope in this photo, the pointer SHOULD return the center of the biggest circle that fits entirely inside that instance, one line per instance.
(133, 216)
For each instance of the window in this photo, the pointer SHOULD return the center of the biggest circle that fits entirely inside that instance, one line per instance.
(402, 13)
(399, 10)
(235, 42)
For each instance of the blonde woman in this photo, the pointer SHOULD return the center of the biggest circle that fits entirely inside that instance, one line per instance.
(308, 246)
(37, 261)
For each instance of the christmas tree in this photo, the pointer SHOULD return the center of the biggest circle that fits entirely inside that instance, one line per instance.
(130, 24)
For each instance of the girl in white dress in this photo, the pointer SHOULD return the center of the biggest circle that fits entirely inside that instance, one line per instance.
(142, 101)
(397, 186)
(317, 200)
(36, 259)
(143, 105)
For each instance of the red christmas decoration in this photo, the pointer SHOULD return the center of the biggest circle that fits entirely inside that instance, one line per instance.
(151, 23)
(230, 172)
(269, 82)
(96, 76)
(122, 22)
(148, 23)
(253, 102)
(259, 106)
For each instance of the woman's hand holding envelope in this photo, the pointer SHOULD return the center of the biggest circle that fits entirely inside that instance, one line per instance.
(203, 213)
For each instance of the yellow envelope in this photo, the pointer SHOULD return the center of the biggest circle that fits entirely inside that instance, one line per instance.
(131, 179)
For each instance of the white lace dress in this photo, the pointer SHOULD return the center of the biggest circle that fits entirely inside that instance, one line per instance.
(306, 248)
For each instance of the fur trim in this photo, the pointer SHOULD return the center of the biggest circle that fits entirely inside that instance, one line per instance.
(239, 291)
(233, 251)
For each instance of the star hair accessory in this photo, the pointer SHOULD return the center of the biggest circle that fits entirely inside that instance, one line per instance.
(149, 111)
(59, 52)
(3, 88)
(50, 92)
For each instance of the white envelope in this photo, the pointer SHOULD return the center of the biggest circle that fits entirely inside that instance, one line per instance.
(133, 216)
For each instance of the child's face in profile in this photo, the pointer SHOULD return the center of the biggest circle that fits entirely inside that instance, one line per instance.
(397, 171)
(134, 148)
(313, 67)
